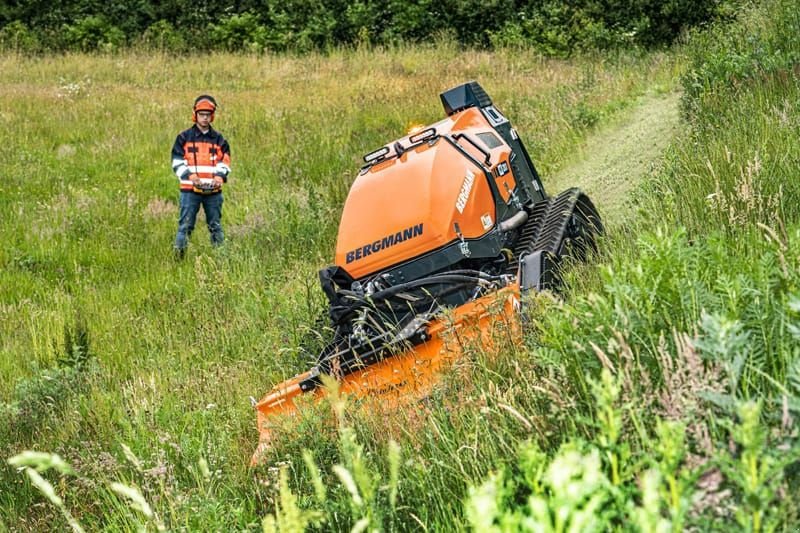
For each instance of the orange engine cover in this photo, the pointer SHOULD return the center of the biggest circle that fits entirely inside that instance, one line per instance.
(409, 205)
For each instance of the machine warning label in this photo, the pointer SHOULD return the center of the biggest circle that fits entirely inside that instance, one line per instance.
(385, 242)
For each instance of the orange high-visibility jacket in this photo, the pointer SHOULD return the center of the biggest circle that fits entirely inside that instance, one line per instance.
(204, 154)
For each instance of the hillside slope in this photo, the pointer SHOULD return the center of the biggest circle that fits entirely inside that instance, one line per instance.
(165, 409)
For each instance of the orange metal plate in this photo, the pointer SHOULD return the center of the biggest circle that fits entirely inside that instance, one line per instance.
(407, 376)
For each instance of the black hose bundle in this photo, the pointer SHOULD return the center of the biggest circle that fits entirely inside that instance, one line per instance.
(419, 293)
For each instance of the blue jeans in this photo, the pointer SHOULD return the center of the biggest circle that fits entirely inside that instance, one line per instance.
(190, 205)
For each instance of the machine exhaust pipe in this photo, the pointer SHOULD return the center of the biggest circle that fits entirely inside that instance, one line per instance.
(513, 222)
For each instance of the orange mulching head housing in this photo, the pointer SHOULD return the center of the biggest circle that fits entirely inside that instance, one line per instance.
(408, 374)
(450, 216)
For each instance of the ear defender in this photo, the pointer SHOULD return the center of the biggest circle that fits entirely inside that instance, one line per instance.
(204, 102)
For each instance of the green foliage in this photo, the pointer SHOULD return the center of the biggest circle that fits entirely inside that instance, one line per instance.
(753, 473)
(666, 283)
(35, 399)
(238, 33)
(303, 25)
(559, 29)
(631, 385)
(288, 517)
(580, 488)
(609, 421)
(764, 40)
(372, 503)
(552, 28)
(716, 253)
(758, 471)
(32, 463)
(576, 491)
(17, 37)
(43, 395)
(93, 33)
(667, 484)
(164, 37)
(77, 351)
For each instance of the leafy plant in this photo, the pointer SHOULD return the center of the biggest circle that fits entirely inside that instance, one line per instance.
(242, 32)
(17, 37)
(757, 471)
(93, 33)
(163, 36)
(77, 351)
(288, 515)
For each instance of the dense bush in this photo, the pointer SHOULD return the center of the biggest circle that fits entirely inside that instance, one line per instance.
(163, 36)
(238, 32)
(553, 27)
(577, 489)
(17, 37)
(93, 33)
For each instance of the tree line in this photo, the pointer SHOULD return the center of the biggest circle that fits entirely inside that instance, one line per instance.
(554, 27)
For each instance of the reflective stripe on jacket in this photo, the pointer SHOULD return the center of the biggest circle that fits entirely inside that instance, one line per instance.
(204, 154)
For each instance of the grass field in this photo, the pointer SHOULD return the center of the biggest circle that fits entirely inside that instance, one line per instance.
(137, 370)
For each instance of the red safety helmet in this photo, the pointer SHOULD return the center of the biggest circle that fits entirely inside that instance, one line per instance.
(204, 102)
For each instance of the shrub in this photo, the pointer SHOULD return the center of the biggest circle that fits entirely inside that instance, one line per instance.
(559, 28)
(163, 36)
(581, 488)
(300, 25)
(238, 32)
(93, 33)
(554, 28)
(17, 37)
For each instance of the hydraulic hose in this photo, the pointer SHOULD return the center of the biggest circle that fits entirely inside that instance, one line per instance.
(462, 278)
(513, 222)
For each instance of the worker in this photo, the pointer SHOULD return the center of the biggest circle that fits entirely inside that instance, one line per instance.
(201, 159)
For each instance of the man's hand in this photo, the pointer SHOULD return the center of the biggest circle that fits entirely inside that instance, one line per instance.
(195, 180)
(218, 181)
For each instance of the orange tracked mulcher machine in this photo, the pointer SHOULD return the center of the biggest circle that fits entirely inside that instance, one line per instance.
(455, 217)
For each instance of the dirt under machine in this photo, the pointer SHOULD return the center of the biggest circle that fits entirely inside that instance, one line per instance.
(445, 227)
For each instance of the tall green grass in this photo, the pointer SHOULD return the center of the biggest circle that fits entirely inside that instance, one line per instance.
(661, 394)
(89, 212)
(694, 312)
